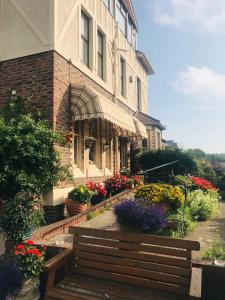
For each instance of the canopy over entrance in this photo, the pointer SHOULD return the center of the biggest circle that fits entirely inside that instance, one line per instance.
(87, 104)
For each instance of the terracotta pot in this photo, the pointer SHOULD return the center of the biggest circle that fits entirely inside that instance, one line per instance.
(75, 207)
(165, 206)
(172, 225)
(29, 290)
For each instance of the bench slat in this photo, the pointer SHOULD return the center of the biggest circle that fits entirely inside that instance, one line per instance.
(133, 246)
(134, 280)
(135, 255)
(140, 238)
(140, 273)
(136, 264)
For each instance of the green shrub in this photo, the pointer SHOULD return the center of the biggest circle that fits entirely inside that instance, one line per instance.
(20, 215)
(203, 205)
(215, 251)
(184, 221)
(28, 158)
(154, 193)
(81, 194)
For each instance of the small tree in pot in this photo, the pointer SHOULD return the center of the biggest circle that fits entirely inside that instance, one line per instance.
(78, 200)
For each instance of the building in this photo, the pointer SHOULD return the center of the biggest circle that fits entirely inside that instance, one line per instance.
(171, 144)
(77, 62)
(154, 129)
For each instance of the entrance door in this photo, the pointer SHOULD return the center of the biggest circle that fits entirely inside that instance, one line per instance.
(123, 153)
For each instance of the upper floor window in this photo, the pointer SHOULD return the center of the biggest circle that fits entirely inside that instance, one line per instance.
(129, 31)
(122, 77)
(110, 5)
(100, 54)
(121, 17)
(139, 93)
(85, 38)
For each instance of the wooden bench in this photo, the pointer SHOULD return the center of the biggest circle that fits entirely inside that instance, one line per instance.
(116, 265)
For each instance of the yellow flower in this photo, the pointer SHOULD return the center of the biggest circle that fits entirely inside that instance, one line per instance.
(82, 190)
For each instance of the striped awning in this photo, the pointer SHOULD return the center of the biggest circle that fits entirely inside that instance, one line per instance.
(87, 104)
(140, 129)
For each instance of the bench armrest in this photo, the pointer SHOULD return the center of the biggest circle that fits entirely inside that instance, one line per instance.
(58, 260)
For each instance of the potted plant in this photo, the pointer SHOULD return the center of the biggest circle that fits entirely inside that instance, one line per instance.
(20, 216)
(99, 192)
(78, 200)
(11, 276)
(31, 258)
(116, 184)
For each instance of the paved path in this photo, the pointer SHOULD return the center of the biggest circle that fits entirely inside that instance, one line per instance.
(209, 231)
(205, 233)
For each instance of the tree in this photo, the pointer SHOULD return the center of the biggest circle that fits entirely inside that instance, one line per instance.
(28, 159)
(152, 159)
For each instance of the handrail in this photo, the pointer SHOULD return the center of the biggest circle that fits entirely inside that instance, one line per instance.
(159, 167)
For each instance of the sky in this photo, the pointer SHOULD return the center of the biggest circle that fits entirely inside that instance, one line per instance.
(184, 41)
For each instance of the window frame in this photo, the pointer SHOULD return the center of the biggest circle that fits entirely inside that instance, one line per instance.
(100, 55)
(85, 40)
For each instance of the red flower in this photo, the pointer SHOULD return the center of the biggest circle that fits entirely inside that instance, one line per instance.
(16, 252)
(20, 247)
(29, 242)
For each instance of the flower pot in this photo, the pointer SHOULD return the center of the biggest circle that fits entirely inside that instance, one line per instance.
(75, 207)
(165, 206)
(29, 290)
(172, 225)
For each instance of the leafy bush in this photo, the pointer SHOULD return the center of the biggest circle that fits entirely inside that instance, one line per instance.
(215, 251)
(27, 157)
(31, 258)
(153, 159)
(81, 194)
(20, 215)
(11, 276)
(155, 193)
(184, 222)
(148, 218)
(203, 205)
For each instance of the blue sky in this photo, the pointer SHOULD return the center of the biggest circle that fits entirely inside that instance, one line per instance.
(185, 43)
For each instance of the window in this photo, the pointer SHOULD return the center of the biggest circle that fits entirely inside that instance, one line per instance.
(110, 5)
(77, 136)
(85, 23)
(122, 77)
(93, 127)
(139, 94)
(121, 17)
(134, 42)
(100, 54)
(129, 30)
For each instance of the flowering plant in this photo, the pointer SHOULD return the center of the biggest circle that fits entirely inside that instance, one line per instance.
(138, 180)
(116, 184)
(31, 258)
(202, 183)
(20, 215)
(99, 191)
(131, 212)
(81, 193)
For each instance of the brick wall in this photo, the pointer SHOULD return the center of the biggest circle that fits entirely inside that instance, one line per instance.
(32, 78)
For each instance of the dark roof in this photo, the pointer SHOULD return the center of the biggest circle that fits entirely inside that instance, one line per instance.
(150, 121)
(145, 62)
(130, 9)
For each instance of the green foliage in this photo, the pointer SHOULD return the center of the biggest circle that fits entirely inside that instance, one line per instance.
(81, 194)
(20, 215)
(155, 193)
(215, 251)
(205, 170)
(28, 159)
(185, 225)
(153, 159)
(203, 205)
